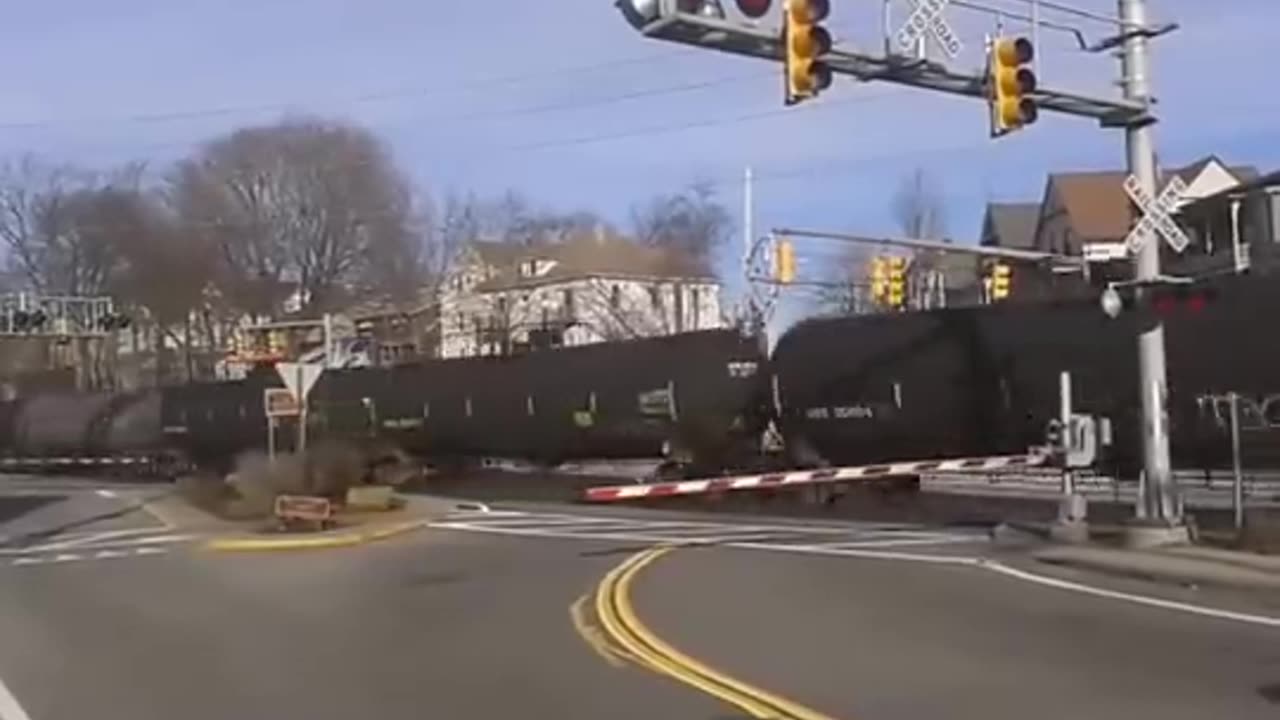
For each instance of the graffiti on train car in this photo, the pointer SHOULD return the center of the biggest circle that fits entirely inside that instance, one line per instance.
(1258, 413)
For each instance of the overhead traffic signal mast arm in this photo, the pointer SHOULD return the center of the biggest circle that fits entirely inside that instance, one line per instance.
(733, 37)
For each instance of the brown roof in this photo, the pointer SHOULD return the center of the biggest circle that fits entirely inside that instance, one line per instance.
(1011, 225)
(1096, 202)
(586, 255)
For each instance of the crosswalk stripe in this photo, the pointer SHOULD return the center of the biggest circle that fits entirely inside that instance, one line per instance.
(795, 537)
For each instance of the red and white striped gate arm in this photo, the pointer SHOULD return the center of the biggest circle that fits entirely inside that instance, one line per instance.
(772, 481)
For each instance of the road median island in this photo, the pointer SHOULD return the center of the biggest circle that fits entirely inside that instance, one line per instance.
(345, 537)
(353, 527)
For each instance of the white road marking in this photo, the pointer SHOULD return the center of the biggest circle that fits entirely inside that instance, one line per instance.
(1130, 597)
(565, 526)
(859, 541)
(73, 557)
(9, 707)
(89, 538)
(102, 540)
(109, 494)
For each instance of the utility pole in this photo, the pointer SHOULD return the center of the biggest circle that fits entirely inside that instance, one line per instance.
(1159, 493)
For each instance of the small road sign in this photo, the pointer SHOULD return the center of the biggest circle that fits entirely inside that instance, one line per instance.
(1156, 215)
(299, 377)
(281, 403)
(291, 510)
(927, 16)
(1104, 252)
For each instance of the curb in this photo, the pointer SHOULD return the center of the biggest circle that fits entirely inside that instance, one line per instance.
(1177, 570)
(318, 542)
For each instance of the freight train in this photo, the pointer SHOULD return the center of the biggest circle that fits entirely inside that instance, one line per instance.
(839, 391)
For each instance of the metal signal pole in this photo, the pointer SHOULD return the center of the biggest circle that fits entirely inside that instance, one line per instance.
(1159, 494)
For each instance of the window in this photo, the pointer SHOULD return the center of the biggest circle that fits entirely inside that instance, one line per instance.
(615, 297)
(567, 297)
(502, 305)
(695, 308)
(655, 296)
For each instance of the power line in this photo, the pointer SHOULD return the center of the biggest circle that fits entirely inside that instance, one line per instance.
(372, 97)
(539, 108)
(762, 174)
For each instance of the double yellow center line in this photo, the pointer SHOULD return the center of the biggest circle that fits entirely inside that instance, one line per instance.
(638, 644)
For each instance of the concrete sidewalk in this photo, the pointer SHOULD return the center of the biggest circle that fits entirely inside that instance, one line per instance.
(1181, 565)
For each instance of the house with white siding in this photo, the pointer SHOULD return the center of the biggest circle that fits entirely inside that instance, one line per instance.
(587, 288)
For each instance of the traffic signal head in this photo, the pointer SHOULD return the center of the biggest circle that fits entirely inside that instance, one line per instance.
(897, 293)
(785, 262)
(754, 9)
(1012, 82)
(1001, 277)
(880, 279)
(805, 40)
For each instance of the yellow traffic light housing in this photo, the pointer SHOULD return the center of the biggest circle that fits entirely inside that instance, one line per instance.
(897, 291)
(784, 262)
(880, 279)
(1001, 281)
(1011, 83)
(804, 41)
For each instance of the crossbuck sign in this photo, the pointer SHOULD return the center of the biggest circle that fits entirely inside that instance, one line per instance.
(1155, 215)
(927, 16)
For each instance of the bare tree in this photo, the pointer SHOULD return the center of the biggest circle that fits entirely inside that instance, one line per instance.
(61, 226)
(692, 222)
(301, 205)
(511, 218)
(918, 207)
(845, 289)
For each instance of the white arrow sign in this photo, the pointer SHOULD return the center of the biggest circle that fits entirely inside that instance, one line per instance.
(1155, 215)
(927, 16)
(299, 378)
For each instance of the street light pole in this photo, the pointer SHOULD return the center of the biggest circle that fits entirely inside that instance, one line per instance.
(1159, 491)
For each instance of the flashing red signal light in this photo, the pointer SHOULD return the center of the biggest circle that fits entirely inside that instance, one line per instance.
(754, 9)
(1193, 301)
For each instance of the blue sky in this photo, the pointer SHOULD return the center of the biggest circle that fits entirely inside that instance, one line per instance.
(563, 101)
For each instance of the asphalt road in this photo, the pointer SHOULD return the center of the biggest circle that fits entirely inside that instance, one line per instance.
(473, 621)
(897, 640)
(442, 624)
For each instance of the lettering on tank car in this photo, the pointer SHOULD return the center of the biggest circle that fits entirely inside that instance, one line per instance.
(655, 402)
(402, 423)
(743, 369)
(844, 412)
